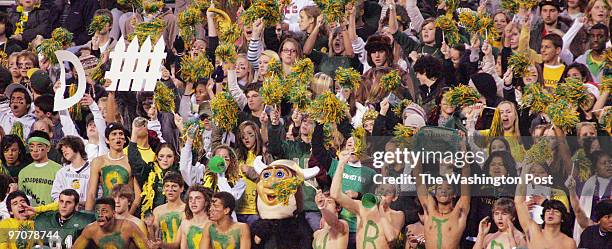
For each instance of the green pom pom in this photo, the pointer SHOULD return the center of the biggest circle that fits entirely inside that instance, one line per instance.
(359, 135)
(187, 21)
(563, 115)
(391, 80)
(332, 10)
(224, 111)
(151, 29)
(469, 20)
(163, 98)
(48, 48)
(62, 35)
(327, 108)
(268, 9)
(399, 108)
(520, 64)
(462, 95)
(274, 68)
(348, 78)
(606, 84)
(98, 23)
(194, 68)
(573, 91)
(226, 52)
(539, 153)
(302, 73)
(132, 4)
(449, 27)
(152, 6)
(606, 119)
(536, 98)
(300, 96)
(272, 91)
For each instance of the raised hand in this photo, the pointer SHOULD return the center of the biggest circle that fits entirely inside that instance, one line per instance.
(484, 226)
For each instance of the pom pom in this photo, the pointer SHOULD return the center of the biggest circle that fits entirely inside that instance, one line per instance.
(268, 9)
(536, 98)
(3, 59)
(47, 48)
(286, 188)
(539, 153)
(348, 78)
(520, 63)
(75, 110)
(369, 115)
(391, 80)
(151, 29)
(274, 67)
(449, 27)
(606, 119)
(583, 165)
(606, 84)
(302, 73)
(359, 135)
(224, 111)
(563, 115)
(327, 108)
(133, 4)
(194, 68)
(98, 23)
(163, 98)
(62, 35)
(513, 5)
(226, 52)
(469, 20)
(608, 58)
(332, 10)
(461, 95)
(152, 6)
(187, 21)
(399, 108)
(300, 96)
(451, 5)
(272, 91)
(228, 32)
(573, 91)
(402, 131)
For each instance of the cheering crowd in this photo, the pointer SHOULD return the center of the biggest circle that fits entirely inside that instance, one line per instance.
(262, 127)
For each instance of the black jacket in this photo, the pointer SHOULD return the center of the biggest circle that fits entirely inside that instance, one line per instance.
(78, 20)
(38, 24)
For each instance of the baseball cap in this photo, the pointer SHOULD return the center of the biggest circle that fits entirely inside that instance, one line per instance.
(41, 82)
(14, 86)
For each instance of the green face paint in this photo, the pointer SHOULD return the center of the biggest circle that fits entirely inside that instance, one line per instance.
(370, 239)
(169, 224)
(495, 244)
(194, 235)
(439, 222)
(223, 241)
(112, 241)
(324, 246)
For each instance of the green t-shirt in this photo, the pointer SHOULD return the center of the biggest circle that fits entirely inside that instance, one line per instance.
(73, 227)
(36, 180)
(358, 179)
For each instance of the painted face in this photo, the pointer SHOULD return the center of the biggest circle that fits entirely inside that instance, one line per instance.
(531, 77)
(122, 205)
(338, 44)
(104, 215)
(197, 202)
(24, 65)
(18, 104)
(499, 217)
(242, 68)
(165, 158)
(552, 216)
(11, 154)
(116, 140)
(18, 210)
(217, 211)
(268, 178)
(599, 12)
(172, 190)
(67, 206)
(604, 166)
(249, 137)
(38, 151)
(444, 193)
(496, 167)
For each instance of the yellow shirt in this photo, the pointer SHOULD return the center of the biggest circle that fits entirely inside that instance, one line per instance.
(147, 154)
(552, 75)
(248, 201)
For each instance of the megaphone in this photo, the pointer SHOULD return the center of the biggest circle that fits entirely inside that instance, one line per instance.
(217, 164)
(369, 200)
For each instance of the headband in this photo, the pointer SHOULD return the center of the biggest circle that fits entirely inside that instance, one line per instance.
(39, 140)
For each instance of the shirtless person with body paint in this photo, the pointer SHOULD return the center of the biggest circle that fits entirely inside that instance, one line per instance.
(334, 233)
(196, 216)
(111, 169)
(110, 232)
(377, 225)
(549, 235)
(222, 232)
(507, 236)
(443, 223)
(168, 217)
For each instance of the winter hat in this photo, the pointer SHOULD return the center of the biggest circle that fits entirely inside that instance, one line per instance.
(414, 120)
(414, 109)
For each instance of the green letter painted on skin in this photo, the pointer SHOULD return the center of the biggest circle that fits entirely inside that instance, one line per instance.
(219, 240)
(494, 245)
(113, 240)
(169, 224)
(371, 239)
(194, 235)
(439, 222)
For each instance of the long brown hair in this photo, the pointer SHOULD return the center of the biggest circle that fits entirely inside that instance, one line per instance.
(242, 149)
(207, 199)
(233, 171)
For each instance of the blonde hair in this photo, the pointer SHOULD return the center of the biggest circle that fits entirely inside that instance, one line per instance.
(249, 68)
(517, 132)
(321, 83)
(590, 6)
(271, 54)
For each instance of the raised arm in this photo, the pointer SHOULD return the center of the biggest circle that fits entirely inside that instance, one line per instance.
(336, 187)
(335, 224)
(191, 173)
(312, 38)
(254, 50)
(464, 200)
(92, 187)
(583, 220)
(521, 206)
(416, 18)
(234, 89)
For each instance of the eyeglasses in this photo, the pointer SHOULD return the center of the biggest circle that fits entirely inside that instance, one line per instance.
(289, 51)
